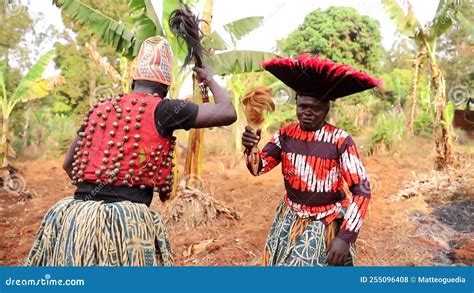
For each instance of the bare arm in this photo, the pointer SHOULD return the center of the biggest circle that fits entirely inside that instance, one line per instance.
(219, 114)
(69, 159)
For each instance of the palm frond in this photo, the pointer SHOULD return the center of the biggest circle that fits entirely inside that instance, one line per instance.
(234, 30)
(446, 14)
(235, 62)
(407, 23)
(42, 88)
(32, 77)
(110, 31)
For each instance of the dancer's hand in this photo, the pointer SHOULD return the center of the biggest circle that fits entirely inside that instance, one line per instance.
(203, 74)
(337, 252)
(250, 138)
(164, 196)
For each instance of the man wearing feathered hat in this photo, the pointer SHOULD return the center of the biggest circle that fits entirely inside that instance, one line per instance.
(316, 223)
(122, 155)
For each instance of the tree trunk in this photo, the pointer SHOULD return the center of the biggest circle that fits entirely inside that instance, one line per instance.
(25, 128)
(192, 169)
(413, 86)
(442, 130)
(93, 75)
(193, 162)
(5, 140)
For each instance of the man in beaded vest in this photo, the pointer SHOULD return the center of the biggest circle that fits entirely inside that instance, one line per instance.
(316, 223)
(122, 154)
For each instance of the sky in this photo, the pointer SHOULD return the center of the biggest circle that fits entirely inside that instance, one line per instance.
(280, 17)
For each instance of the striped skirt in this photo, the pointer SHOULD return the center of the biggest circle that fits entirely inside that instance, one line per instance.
(94, 233)
(295, 241)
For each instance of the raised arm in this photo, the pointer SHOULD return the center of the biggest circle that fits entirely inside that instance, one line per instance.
(219, 114)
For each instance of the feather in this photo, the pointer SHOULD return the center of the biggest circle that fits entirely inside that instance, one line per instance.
(320, 77)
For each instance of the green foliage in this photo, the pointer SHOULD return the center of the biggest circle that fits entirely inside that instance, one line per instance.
(61, 107)
(25, 89)
(235, 30)
(31, 78)
(283, 115)
(83, 75)
(61, 130)
(449, 113)
(142, 22)
(446, 15)
(235, 62)
(341, 34)
(109, 30)
(423, 123)
(14, 29)
(397, 85)
(357, 112)
(400, 55)
(407, 23)
(30, 87)
(349, 124)
(457, 57)
(50, 132)
(388, 132)
(74, 61)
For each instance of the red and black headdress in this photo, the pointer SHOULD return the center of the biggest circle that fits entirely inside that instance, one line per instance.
(320, 78)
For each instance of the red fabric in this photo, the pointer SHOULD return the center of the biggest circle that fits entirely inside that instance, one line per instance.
(320, 173)
(144, 158)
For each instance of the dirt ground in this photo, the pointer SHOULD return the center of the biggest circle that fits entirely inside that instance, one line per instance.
(394, 233)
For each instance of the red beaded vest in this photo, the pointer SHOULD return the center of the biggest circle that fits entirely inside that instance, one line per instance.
(121, 146)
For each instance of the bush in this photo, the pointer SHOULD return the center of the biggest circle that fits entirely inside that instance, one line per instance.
(61, 130)
(389, 130)
(423, 124)
(284, 114)
(348, 123)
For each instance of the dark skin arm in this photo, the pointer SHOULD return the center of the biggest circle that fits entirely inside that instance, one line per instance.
(69, 159)
(337, 252)
(219, 114)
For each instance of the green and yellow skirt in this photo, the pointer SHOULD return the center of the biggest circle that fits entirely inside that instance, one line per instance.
(94, 233)
(295, 241)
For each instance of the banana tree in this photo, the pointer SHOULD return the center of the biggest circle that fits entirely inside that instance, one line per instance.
(121, 76)
(30, 88)
(408, 25)
(425, 38)
(127, 35)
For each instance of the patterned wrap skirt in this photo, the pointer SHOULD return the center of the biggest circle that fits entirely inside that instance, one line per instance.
(295, 241)
(94, 233)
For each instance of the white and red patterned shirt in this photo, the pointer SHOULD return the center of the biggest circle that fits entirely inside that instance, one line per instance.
(315, 165)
